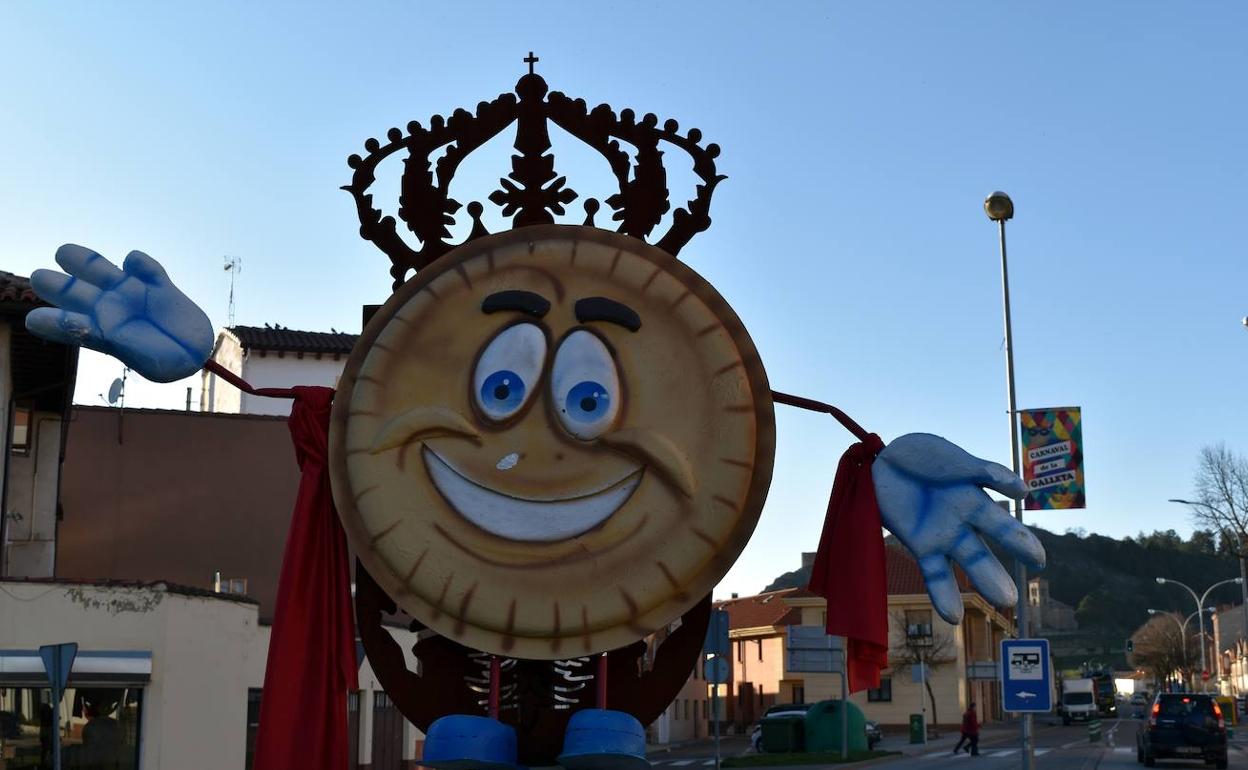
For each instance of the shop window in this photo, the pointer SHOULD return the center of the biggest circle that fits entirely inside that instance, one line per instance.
(99, 727)
(883, 693)
(253, 722)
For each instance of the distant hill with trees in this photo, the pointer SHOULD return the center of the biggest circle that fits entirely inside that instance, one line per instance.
(1112, 583)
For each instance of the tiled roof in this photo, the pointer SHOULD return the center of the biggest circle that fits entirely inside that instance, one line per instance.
(293, 340)
(16, 288)
(902, 574)
(766, 609)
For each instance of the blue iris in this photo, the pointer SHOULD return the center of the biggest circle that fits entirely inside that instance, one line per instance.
(587, 402)
(502, 392)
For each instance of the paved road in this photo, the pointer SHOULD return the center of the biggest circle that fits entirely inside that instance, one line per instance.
(1057, 748)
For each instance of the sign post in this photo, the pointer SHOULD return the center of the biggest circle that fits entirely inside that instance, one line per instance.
(58, 660)
(812, 650)
(1026, 676)
(716, 647)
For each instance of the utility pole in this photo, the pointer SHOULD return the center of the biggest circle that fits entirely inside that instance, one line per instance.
(233, 266)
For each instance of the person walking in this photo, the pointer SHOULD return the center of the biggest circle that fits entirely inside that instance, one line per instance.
(970, 732)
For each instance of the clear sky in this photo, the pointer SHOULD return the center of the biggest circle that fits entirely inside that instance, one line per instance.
(859, 140)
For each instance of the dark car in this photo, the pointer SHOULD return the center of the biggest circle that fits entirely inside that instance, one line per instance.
(874, 734)
(1183, 726)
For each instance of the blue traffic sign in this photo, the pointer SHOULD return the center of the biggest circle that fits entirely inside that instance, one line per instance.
(58, 659)
(1026, 675)
(717, 634)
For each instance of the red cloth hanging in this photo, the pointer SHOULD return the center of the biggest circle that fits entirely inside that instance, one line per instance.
(849, 566)
(311, 665)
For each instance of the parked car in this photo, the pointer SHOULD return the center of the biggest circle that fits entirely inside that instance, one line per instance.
(779, 710)
(1139, 700)
(1183, 726)
(874, 734)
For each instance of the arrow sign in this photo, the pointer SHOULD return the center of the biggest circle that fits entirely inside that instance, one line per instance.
(1026, 676)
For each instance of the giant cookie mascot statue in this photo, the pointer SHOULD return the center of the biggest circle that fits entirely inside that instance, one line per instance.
(549, 444)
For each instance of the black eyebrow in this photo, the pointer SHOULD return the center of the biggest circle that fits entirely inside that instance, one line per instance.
(524, 301)
(603, 309)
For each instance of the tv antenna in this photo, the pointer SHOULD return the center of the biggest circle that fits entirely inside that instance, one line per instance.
(233, 266)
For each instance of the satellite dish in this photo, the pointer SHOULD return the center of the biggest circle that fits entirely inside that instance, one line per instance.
(114, 390)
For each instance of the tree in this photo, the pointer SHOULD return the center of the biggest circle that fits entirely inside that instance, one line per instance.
(926, 646)
(1161, 647)
(1221, 502)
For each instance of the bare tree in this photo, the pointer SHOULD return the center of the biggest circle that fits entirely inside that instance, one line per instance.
(910, 646)
(1162, 647)
(1221, 504)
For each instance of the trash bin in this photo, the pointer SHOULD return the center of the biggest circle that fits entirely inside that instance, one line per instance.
(916, 728)
(823, 727)
(783, 734)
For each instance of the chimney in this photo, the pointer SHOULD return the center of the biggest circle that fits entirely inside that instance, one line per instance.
(808, 559)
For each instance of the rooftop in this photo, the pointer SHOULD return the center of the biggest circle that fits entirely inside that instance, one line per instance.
(279, 338)
(154, 585)
(902, 574)
(762, 610)
(16, 288)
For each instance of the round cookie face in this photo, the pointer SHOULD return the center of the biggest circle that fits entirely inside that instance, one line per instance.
(551, 442)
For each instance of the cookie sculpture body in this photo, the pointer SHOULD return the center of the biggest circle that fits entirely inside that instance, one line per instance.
(551, 442)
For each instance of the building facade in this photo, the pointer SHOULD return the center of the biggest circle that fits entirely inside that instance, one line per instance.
(272, 357)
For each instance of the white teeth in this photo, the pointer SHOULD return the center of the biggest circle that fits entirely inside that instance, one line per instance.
(527, 520)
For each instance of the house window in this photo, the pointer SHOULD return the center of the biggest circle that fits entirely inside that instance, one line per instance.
(799, 693)
(918, 623)
(253, 723)
(22, 419)
(233, 586)
(705, 710)
(760, 649)
(676, 710)
(686, 708)
(883, 693)
(740, 652)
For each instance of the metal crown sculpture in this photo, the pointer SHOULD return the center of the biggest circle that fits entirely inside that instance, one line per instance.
(533, 193)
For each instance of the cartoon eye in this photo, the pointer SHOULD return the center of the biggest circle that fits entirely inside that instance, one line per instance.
(507, 372)
(585, 385)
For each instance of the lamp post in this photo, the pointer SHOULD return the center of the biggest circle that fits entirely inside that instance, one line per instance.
(1182, 627)
(1200, 604)
(1000, 208)
(1242, 557)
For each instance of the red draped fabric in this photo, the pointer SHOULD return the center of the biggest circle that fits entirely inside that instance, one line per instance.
(311, 665)
(849, 566)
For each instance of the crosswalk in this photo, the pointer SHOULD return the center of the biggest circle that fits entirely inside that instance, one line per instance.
(996, 754)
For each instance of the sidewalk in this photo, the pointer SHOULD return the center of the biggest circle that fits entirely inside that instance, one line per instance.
(994, 734)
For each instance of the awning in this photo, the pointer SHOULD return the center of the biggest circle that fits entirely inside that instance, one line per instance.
(92, 668)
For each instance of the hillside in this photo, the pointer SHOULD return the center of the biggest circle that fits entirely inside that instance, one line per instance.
(1112, 583)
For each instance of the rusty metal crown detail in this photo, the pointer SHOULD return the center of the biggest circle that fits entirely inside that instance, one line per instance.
(533, 193)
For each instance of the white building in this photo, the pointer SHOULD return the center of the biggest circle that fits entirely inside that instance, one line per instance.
(272, 357)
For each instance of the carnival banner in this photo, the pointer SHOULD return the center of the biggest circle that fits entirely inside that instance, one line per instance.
(1053, 457)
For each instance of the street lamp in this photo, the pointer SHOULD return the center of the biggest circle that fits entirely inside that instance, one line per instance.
(1182, 627)
(1200, 604)
(1000, 208)
(1242, 573)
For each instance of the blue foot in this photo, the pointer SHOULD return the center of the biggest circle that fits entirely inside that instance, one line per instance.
(597, 739)
(459, 742)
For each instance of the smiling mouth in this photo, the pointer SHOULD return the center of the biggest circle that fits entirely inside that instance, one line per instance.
(525, 519)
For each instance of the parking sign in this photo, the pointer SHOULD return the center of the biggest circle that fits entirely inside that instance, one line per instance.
(1026, 675)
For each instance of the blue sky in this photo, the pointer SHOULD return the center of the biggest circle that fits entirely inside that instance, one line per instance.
(859, 141)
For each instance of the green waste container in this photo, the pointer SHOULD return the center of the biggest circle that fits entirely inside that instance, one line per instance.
(823, 727)
(916, 728)
(784, 734)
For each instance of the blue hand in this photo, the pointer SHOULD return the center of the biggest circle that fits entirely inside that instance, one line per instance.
(135, 314)
(930, 497)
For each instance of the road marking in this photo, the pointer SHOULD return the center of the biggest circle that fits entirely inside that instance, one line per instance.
(1042, 752)
(683, 762)
(1072, 744)
(1123, 750)
(1005, 753)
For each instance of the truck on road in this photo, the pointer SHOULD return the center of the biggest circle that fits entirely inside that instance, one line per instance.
(1077, 700)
